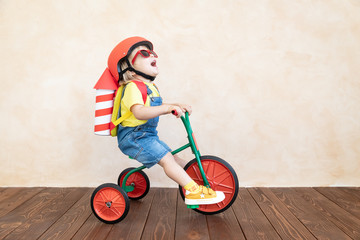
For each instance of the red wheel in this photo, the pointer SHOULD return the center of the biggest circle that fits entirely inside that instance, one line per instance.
(110, 203)
(139, 180)
(221, 177)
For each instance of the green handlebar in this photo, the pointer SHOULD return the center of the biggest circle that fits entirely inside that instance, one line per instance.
(186, 121)
(191, 144)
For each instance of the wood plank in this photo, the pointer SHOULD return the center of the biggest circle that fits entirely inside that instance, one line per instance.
(258, 213)
(2, 189)
(103, 232)
(224, 226)
(319, 226)
(28, 210)
(344, 220)
(11, 198)
(6, 199)
(66, 226)
(162, 215)
(5, 193)
(35, 226)
(131, 227)
(355, 191)
(284, 222)
(93, 229)
(343, 197)
(252, 220)
(190, 224)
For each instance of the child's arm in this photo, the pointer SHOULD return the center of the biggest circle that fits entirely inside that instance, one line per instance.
(142, 112)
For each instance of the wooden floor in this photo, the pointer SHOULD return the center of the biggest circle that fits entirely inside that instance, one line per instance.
(258, 213)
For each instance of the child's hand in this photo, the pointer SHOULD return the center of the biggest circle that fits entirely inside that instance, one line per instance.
(179, 109)
(176, 110)
(185, 108)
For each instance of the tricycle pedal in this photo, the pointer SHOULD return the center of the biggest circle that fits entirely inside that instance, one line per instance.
(192, 206)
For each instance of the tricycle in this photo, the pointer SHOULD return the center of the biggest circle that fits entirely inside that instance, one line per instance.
(111, 202)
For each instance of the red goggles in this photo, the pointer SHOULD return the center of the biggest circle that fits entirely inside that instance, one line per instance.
(144, 53)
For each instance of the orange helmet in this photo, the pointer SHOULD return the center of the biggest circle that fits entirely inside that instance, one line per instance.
(122, 51)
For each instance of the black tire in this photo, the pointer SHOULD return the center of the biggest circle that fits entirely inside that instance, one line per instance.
(227, 176)
(139, 180)
(109, 203)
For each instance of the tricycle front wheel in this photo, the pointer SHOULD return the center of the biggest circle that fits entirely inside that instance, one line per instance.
(221, 177)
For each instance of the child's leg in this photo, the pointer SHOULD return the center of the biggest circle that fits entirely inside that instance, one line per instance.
(182, 162)
(195, 194)
(174, 171)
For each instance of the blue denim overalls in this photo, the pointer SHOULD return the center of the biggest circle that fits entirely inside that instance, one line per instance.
(142, 142)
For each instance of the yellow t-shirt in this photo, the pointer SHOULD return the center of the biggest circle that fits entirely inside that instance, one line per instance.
(132, 95)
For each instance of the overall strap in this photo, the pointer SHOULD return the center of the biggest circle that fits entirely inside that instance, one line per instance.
(156, 88)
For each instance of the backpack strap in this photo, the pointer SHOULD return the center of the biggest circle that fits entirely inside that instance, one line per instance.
(143, 89)
(119, 120)
(115, 119)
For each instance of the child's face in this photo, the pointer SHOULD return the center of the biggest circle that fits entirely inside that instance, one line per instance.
(146, 65)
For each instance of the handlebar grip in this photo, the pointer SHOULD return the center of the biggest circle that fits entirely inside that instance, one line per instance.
(174, 112)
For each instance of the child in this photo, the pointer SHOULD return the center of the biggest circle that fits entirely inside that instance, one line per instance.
(131, 60)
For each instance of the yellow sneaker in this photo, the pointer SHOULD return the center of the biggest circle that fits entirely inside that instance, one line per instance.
(203, 196)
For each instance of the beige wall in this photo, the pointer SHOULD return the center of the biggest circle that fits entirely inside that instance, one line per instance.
(275, 87)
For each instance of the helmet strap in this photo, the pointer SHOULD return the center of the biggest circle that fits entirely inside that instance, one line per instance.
(151, 78)
(130, 68)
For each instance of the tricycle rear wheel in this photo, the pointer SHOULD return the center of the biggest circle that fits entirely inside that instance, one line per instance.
(139, 180)
(109, 203)
(221, 177)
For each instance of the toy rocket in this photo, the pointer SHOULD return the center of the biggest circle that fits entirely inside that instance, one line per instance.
(105, 93)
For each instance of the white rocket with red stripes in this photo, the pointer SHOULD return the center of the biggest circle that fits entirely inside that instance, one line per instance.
(105, 93)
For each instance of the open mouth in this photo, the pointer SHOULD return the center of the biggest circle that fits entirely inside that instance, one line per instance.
(153, 63)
